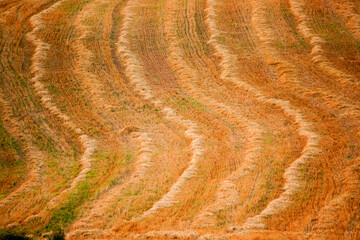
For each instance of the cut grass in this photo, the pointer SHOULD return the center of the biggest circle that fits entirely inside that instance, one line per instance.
(337, 37)
(62, 217)
(263, 72)
(12, 166)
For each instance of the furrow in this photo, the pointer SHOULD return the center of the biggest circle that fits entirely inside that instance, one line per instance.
(347, 10)
(39, 74)
(317, 51)
(97, 73)
(166, 234)
(33, 155)
(226, 195)
(291, 77)
(85, 57)
(6, 11)
(334, 221)
(36, 133)
(229, 73)
(134, 70)
(96, 215)
(285, 70)
(104, 234)
(188, 234)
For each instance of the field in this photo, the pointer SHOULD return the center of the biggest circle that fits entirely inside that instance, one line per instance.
(180, 119)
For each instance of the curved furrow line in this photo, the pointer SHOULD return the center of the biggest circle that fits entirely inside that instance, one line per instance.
(266, 37)
(94, 219)
(289, 74)
(154, 59)
(192, 132)
(5, 11)
(166, 234)
(340, 210)
(4, 41)
(149, 235)
(192, 36)
(292, 175)
(38, 70)
(33, 155)
(91, 70)
(227, 194)
(344, 106)
(347, 10)
(134, 70)
(85, 58)
(317, 51)
(188, 234)
(29, 130)
(330, 214)
(90, 223)
(188, 76)
(20, 128)
(258, 234)
(6, 4)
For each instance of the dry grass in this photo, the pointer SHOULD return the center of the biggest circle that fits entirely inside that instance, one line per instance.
(297, 7)
(93, 219)
(33, 155)
(37, 133)
(135, 73)
(38, 70)
(226, 195)
(292, 176)
(197, 119)
(348, 11)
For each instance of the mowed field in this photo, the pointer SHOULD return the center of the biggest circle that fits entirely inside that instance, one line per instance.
(180, 119)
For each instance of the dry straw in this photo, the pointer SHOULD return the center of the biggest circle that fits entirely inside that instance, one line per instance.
(288, 74)
(347, 9)
(167, 235)
(134, 70)
(317, 51)
(226, 195)
(340, 207)
(34, 157)
(38, 70)
(311, 150)
(89, 223)
(85, 57)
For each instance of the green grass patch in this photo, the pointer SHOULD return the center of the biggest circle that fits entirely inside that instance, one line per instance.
(337, 37)
(271, 183)
(12, 166)
(186, 103)
(8, 146)
(290, 20)
(62, 217)
(104, 164)
(221, 218)
(71, 7)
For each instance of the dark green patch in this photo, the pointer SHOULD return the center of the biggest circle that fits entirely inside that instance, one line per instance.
(68, 212)
(12, 235)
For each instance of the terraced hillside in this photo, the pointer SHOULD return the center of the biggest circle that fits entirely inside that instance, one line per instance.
(180, 119)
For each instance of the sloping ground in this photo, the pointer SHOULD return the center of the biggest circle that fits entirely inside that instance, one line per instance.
(197, 119)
